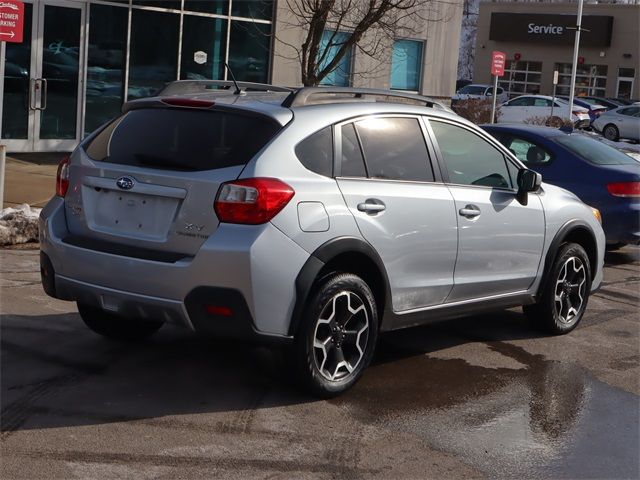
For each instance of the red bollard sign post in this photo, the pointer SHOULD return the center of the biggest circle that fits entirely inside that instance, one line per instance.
(498, 60)
(11, 21)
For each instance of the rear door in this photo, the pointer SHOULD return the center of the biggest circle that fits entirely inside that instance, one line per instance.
(500, 241)
(399, 207)
(149, 179)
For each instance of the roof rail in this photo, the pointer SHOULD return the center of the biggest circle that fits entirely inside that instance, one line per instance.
(180, 87)
(302, 96)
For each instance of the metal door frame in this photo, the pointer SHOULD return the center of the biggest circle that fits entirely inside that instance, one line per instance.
(33, 142)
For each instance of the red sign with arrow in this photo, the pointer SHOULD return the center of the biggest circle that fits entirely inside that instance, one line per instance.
(498, 59)
(11, 21)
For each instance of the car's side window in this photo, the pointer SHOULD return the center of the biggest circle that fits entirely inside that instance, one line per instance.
(541, 102)
(469, 159)
(316, 152)
(631, 111)
(527, 152)
(352, 164)
(520, 102)
(395, 149)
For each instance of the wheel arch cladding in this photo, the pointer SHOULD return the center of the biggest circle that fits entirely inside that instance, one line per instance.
(574, 231)
(342, 254)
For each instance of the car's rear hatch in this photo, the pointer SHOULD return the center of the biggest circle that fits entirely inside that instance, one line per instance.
(144, 186)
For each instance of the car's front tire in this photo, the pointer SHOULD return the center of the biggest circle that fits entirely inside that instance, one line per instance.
(116, 327)
(338, 335)
(566, 293)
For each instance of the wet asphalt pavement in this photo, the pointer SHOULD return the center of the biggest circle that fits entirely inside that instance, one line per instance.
(485, 396)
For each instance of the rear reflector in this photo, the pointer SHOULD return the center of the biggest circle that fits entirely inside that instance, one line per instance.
(188, 102)
(219, 310)
(251, 201)
(624, 189)
(62, 177)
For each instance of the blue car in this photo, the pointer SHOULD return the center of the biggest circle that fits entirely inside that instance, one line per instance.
(598, 174)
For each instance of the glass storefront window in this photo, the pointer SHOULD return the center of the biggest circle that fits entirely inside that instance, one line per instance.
(219, 7)
(105, 64)
(590, 79)
(203, 48)
(17, 71)
(173, 4)
(60, 68)
(521, 77)
(258, 9)
(341, 76)
(406, 63)
(154, 52)
(249, 45)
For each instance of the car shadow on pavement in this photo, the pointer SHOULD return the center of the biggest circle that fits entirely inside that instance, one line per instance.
(56, 373)
(623, 256)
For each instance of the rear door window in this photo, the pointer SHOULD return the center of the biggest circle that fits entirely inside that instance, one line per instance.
(395, 149)
(352, 164)
(182, 139)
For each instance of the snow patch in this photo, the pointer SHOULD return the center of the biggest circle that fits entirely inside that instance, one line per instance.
(19, 225)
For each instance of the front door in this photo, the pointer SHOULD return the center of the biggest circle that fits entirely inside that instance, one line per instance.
(42, 91)
(500, 241)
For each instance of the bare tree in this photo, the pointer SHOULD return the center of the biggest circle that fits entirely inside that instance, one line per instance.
(364, 25)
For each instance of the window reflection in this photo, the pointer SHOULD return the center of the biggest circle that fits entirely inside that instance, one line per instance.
(249, 51)
(220, 7)
(105, 64)
(203, 46)
(259, 9)
(154, 52)
(17, 68)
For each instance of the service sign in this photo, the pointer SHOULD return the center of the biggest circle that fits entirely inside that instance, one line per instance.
(11, 21)
(498, 60)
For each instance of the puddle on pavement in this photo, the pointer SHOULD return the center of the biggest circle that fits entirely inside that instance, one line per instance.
(547, 419)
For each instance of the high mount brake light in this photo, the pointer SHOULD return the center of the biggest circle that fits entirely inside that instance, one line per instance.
(188, 102)
(62, 177)
(624, 189)
(251, 201)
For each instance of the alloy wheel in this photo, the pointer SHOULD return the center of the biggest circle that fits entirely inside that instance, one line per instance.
(341, 335)
(570, 289)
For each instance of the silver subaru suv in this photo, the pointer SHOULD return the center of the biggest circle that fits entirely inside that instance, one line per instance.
(313, 217)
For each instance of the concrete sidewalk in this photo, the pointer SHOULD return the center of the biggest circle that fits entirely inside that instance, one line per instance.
(28, 182)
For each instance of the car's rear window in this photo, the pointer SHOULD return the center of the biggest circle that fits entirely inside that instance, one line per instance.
(182, 139)
(594, 151)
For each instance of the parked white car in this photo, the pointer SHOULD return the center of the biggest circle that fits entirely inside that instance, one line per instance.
(528, 108)
(623, 122)
(479, 91)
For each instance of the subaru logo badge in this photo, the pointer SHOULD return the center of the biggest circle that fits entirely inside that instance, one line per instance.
(125, 183)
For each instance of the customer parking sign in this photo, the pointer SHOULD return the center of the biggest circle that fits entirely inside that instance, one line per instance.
(11, 21)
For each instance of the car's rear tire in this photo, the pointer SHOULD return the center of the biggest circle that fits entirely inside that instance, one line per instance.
(116, 327)
(566, 293)
(338, 335)
(611, 132)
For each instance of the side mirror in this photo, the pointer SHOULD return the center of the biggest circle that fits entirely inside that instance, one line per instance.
(528, 181)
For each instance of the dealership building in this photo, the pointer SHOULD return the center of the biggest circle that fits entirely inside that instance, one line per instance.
(539, 41)
(81, 60)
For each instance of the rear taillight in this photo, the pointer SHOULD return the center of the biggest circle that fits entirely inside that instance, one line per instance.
(62, 177)
(624, 189)
(251, 201)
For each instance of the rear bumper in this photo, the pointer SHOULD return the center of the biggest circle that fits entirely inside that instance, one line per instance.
(621, 224)
(251, 268)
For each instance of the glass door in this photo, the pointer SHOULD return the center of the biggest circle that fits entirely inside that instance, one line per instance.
(42, 80)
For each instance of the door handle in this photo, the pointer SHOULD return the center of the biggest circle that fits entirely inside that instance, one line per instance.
(44, 95)
(469, 211)
(32, 93)
(372, 206)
